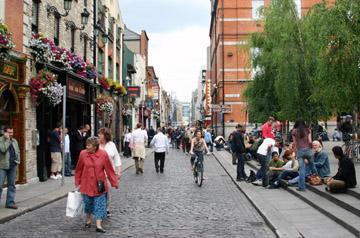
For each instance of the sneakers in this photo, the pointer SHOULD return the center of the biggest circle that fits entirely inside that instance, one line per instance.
(53, 177)
(257, 182)
(58, 176)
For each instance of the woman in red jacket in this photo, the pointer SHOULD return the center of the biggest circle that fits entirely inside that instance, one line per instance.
(89, 173)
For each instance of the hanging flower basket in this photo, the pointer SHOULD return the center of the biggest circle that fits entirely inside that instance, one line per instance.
(114, 88)
(40, 48)
(44, 86)
(91, 72)
(105, 106)
(6, 41)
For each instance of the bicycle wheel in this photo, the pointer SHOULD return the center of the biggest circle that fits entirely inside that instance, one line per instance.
(200, 174)
(195, 173)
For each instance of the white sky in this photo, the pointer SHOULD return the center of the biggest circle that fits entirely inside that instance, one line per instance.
(178, 32)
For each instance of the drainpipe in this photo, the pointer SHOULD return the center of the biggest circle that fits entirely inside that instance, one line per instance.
(223, 69)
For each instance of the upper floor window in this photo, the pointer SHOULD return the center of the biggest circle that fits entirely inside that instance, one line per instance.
(85, 48)
(100, 65)
(72, 40)
(56, 30)
(257, 6)
(85, 3)
(110, 68)
(35, 16)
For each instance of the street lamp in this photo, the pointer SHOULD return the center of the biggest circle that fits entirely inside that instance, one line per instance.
(84, 20)
(53, 10)
(85, 17)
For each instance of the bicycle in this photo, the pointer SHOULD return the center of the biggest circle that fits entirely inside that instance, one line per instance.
(198, 169)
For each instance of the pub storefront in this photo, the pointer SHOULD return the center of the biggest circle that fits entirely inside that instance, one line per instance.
(79, 97)
(12, 104)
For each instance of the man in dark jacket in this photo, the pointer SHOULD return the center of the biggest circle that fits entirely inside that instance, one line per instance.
(345, 177)
(78, 146)
(239, 150)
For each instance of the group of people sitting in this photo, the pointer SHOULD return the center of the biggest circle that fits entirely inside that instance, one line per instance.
(283, 171)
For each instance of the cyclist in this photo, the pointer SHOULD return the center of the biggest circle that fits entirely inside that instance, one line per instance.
(198, 146)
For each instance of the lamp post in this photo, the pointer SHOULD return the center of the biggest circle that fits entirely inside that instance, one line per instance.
(84, 20)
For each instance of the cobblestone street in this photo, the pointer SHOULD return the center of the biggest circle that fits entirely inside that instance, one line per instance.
(157, 205)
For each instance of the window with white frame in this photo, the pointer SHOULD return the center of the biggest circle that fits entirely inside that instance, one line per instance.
(254, 52)
(257, 5)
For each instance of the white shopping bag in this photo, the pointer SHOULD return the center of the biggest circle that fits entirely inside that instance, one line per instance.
(74, 205)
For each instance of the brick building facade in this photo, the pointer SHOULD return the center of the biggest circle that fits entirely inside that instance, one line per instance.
(232, 23)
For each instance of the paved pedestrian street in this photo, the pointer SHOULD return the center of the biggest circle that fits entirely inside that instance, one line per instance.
(157, 205)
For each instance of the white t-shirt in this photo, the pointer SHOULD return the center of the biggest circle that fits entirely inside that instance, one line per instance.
(264, 147)
(67, 144)
(139, 136)
(160, 142)
(113, 154)
(127, 137)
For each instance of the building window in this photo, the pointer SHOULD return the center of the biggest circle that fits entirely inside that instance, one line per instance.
(100, 65)
(118, 72)
(298, 7)
(85, 48)
(35, 16)
(257, 6)
(56, 30)
(72, 49)
(110, 67)
(85, 3)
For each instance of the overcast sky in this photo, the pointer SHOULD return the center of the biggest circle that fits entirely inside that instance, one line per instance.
(178, 36)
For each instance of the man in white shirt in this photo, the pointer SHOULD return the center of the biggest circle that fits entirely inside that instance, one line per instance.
(67, 156)
(161, 144)
(138, 141)
(263, 154)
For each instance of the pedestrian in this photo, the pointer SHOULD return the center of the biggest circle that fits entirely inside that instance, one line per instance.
(67, 156)
(208, 139)
(138, 141)
(127, 138)
(9, 159)
(198, 146)
(161, 144)
(301, 135)
(78, 142)
(55, 152)
(187, 140)
(321, 160)
(87, 132)
(345, 177)
(151, 134)
(267, 128)
(110, 148)
(91, 179)
(239, 150)
(264, 154)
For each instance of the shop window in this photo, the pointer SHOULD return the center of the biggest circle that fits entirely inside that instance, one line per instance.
(56, 30)
(35, 16)
(257, 6)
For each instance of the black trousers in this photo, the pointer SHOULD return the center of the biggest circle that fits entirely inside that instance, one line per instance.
(159, 156)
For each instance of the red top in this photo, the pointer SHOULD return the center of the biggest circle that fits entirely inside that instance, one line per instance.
(85, 176)
(267, 131)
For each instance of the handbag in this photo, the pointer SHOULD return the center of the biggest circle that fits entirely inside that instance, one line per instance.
(74, 204)
(99, 183)
(315, 180)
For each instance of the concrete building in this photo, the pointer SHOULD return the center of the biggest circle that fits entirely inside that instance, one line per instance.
(185, 111)
(232, 22)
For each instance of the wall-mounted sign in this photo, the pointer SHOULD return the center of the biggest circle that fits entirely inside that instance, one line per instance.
(133, 91)
(76, 90)
(9, 70)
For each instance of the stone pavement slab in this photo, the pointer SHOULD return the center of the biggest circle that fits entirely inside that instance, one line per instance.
(288, 215)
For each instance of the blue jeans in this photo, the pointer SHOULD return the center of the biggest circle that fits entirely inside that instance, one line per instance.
(261, 173)
(10, 174)
(301, 155)
(67, 163)
(240, 166)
